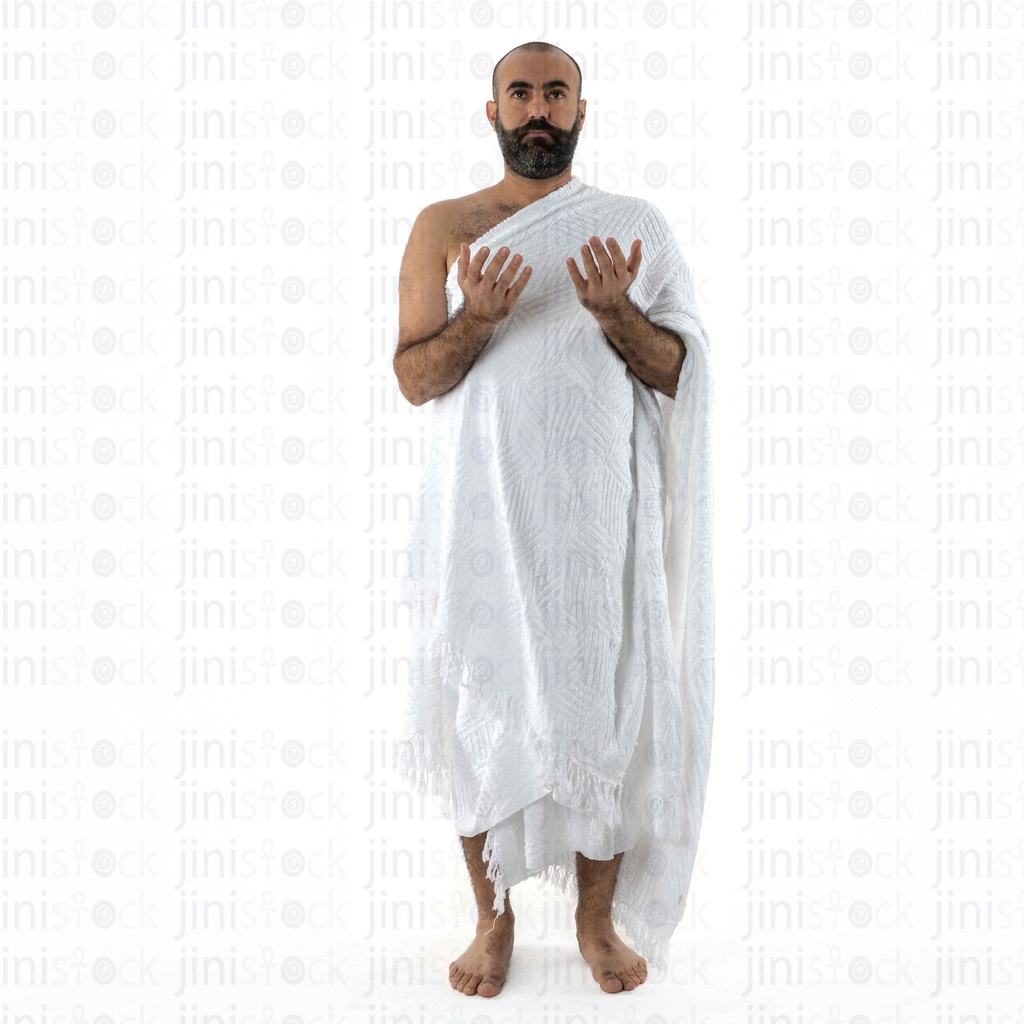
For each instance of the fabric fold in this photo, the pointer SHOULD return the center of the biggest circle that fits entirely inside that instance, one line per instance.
(560, 581)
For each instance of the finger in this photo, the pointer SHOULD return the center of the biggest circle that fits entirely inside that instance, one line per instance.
(476, 264)
(592, 269)
(495, 265)
(574, 273)
(635, 256)
(619, 262)
(505, 278)
(520, 284)
(604, 261)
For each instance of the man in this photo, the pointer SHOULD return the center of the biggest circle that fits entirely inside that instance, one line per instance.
(562, 690)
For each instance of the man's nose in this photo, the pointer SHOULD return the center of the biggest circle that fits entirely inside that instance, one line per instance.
(538, 109)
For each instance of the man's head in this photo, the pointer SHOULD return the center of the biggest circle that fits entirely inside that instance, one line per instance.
(538, 47)
(537, 86)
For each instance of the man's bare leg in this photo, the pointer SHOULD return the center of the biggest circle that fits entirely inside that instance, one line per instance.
(614, 965)
(481, 968)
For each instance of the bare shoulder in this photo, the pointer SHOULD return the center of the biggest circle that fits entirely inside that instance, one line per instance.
(431, 224)
(433, 245)
(466, 218)
(437, 234)
(450, 222)
(442, 226)
(476, 216)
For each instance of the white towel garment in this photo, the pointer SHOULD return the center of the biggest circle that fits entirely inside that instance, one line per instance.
(561, 694)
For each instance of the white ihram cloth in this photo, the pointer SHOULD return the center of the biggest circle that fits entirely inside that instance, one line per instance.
(562, 682)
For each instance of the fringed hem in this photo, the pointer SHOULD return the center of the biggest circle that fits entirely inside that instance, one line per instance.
(423, 758)
(494, 873)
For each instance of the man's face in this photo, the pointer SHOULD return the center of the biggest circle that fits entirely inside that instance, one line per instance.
(537, 91)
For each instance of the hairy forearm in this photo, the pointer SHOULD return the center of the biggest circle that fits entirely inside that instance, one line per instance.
(652, 353)
(434, 365)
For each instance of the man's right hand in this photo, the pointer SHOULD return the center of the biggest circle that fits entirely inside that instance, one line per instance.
(490, 296)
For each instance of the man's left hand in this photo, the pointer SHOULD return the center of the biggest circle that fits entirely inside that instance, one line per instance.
(609, 276)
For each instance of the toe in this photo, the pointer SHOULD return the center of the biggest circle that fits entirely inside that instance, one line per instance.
(471, 984)
(490, 986)
(610, 983)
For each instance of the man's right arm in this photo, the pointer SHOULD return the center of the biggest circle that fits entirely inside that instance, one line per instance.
(433, 355)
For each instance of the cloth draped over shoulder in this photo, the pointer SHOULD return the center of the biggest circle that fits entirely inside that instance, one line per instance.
(561, 685)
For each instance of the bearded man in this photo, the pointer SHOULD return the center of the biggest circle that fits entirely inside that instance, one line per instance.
(562, 681)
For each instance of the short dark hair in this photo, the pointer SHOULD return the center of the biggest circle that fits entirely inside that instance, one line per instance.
(537, 46)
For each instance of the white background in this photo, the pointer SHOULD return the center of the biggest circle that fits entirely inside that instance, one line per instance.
(203, 637)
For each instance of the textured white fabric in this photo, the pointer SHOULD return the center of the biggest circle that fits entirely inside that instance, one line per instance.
(561, 690)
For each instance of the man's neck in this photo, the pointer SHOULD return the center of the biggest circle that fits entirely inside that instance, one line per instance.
(515, 190)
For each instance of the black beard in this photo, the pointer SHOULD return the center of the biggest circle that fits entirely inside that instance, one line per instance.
(541, 157)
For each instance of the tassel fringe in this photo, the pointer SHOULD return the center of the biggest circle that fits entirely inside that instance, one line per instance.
(423, 761)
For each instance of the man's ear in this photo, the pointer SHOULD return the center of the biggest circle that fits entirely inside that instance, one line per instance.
(583, 112)
(491, 109)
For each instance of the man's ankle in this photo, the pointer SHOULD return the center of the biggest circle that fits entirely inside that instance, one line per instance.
(590, 921)
(488, 919)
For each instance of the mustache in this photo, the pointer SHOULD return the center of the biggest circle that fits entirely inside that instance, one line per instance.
(539, 127)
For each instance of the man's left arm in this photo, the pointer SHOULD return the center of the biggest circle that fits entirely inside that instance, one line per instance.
(652, 353)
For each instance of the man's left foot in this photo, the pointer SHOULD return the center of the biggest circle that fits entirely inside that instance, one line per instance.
(613, 964)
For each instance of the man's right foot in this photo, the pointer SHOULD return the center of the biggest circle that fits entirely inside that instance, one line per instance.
(481, 968)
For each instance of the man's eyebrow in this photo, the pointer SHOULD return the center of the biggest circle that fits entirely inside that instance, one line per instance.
(529, 85)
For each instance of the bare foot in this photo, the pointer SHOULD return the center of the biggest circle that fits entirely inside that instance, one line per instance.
(611, 961)
(481, 968)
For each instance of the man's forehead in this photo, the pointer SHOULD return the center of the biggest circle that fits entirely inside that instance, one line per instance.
(536, 70)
